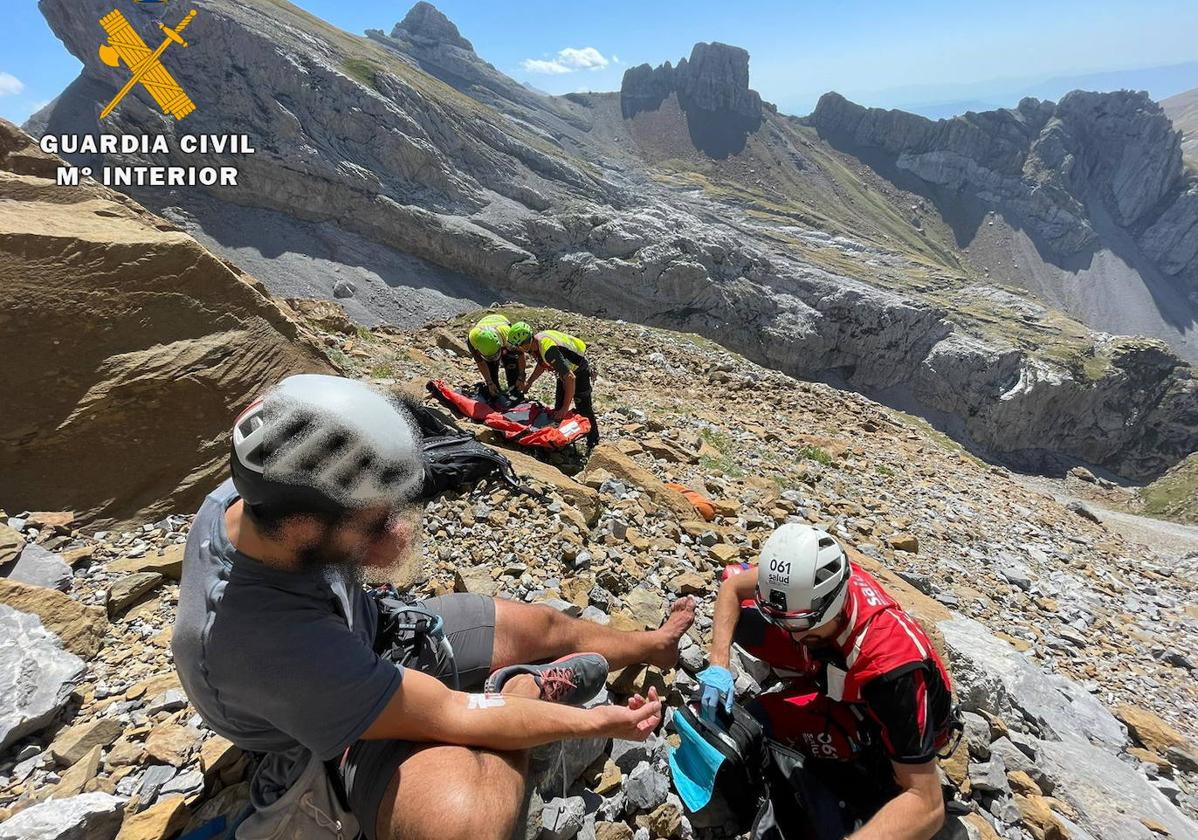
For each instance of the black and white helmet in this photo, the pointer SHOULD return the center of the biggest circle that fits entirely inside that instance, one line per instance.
(317, 443)
(803, 577)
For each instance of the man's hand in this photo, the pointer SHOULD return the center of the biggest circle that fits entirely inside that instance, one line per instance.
(492, 390)
(635, 721)
(717, 687)
(558, 414)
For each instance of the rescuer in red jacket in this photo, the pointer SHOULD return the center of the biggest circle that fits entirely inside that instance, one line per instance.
(864, 696)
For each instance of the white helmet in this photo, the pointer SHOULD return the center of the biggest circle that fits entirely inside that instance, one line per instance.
(802, 579)
(317, 443)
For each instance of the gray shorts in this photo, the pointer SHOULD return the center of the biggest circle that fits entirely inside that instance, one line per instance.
(369, 766)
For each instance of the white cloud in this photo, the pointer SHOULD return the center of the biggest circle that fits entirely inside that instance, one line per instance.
(567, 61)
(551, 68)
(587, 58)
(10, 84)
(615, 59)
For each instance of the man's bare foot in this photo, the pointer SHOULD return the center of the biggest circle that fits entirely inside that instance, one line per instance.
(665, 652)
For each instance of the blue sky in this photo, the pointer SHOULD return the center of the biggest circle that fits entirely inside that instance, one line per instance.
(933, 56)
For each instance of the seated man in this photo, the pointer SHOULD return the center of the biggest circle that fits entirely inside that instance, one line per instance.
(277, 644)
(868, 701)
(490, 348)
(565, 356)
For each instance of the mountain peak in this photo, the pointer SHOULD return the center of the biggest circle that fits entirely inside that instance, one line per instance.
(427, 24)
(715, 78)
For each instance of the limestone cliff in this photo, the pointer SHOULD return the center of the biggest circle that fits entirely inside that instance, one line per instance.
(1061, 169)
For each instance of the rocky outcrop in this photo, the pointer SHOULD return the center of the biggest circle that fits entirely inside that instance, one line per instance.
(113, 321)
(36, 675)
(88, 816)
(426, 25)
(1068, 741)
(1060, 169)
(715, 79)
(433, 42)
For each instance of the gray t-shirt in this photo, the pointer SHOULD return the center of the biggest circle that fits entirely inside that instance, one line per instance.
(278, 662)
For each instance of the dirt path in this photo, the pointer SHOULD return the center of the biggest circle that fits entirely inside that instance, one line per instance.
(1166, 539)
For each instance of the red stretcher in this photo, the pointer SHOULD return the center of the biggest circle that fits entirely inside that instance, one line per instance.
(525, 423)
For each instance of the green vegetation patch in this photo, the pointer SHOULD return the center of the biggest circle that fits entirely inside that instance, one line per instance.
(364, 70)
(1175, 494)
(814, 453)
(722, 465)
(717, 438)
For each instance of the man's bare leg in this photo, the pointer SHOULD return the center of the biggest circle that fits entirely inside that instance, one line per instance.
(456, 793)
(535, 633)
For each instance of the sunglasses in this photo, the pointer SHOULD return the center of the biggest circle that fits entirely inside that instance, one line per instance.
(799, 621)
(794, 622)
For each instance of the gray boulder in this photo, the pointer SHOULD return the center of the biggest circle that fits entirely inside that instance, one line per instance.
(561, 818)
(89, 816)
(36, 675)
(989, 776)
(1109, 796)
(977, 735)
(40, 567)
(646, 788)
(991, 675)
(1013, 758)
(628, 754)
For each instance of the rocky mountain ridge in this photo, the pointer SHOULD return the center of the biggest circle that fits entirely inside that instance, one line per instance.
(355, 137)
(1068, 644)
(1050, 166)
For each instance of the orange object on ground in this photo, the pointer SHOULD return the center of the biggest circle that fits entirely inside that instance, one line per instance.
(701, 503)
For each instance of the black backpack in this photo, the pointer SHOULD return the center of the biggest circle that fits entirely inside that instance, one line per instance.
(738, 737)
(453, 458)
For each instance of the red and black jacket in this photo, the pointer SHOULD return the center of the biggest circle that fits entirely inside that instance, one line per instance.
(882, 665)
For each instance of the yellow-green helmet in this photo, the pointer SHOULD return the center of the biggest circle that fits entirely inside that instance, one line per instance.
(520, 333)
(487, 342)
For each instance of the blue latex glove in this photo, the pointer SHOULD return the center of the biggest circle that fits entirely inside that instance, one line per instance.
(716, 684)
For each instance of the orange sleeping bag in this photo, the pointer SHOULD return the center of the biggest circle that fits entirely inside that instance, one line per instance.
(699, 502)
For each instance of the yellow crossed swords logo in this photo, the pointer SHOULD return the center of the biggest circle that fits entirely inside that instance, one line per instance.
(124, 44)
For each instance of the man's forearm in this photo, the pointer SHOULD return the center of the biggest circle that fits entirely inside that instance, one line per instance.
(727, 614)
(485, 370)
(909, 816)
(514, 723)
(536, 374)
(425, 710)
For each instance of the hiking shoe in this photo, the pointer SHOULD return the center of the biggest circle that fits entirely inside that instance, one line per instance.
(572, 680)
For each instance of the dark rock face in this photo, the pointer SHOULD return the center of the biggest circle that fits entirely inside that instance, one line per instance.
(644, 88)
(425, 22)
(716, 78)
(1056, 167)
